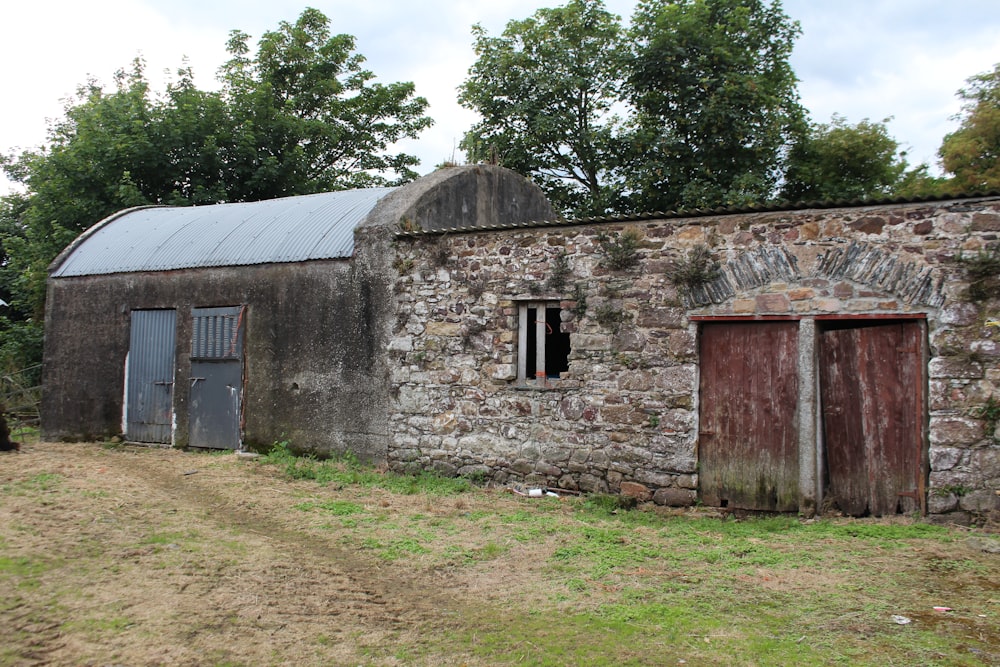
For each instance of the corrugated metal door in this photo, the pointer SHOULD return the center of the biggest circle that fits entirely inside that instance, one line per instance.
(216, 377)
(871, 392)
(150, 384)
(748, 433)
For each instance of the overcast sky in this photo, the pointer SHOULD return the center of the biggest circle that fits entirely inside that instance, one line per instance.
(859, 58)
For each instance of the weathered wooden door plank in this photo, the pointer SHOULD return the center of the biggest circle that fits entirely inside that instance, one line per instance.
(870, 381)
(748, 444)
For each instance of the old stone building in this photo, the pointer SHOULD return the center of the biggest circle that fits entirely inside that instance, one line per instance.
(243, 324)
(835, 356)
(785, 359)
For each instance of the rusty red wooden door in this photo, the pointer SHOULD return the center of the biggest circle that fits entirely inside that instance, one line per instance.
(748, 433)
(871, 393)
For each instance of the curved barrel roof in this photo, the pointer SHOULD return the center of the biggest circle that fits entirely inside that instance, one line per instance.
(296, 229)
(158, 238)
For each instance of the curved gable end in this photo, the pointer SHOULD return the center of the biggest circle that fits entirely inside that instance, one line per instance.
(462, 198)
(290, 229)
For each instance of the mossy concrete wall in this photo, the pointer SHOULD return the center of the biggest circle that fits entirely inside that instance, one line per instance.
(314, 372)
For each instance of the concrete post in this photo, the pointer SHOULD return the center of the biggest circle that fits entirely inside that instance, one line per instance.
(808, 443)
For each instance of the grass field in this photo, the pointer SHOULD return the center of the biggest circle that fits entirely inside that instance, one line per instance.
(119, 555)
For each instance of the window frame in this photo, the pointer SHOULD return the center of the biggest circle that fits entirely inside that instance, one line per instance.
(524, 330)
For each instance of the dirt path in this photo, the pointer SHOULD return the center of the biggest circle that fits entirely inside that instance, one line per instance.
(149, 556)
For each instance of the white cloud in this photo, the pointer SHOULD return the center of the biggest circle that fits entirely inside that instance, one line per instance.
(900, 58)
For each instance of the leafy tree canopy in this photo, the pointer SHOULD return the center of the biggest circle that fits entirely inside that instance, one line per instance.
(695, 104)
(300, 116)
(546, 91)
(972, 152)
(716, 100)
(842, 161)
(309, 117)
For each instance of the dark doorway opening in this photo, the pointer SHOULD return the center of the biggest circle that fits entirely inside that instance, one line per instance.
(555, 341)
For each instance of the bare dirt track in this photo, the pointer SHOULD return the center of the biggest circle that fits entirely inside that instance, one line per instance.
(151, 556)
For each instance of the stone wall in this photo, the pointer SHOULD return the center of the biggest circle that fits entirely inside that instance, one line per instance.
(624, 418)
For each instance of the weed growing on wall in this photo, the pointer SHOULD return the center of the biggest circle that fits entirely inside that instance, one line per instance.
(440, 251)
(409, 226)
(983, 271)
(580, 297)
(402, 265)
(696, 270)
(620, 249)
(990, 414)
(470, 330)
(477, 287)
(559, 272)
(611, 318)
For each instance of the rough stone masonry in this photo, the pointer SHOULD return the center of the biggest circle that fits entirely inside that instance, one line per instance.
(624, 417)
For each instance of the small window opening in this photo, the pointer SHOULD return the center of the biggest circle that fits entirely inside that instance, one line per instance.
(543, 347)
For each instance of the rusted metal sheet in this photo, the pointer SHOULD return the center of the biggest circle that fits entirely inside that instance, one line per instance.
(748, 440)
(870, 388)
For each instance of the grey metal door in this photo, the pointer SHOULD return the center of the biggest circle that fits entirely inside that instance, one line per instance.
(216, 377)
(149, 394)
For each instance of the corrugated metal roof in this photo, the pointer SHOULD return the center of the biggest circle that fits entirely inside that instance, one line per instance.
(290, 229)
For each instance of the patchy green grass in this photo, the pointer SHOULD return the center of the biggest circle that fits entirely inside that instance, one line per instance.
(21, 571)
(96, 627)
(773, 591)
(46, 482)
(394, 549)
(346, 471)
(334, 507)
(127, 559)
(634, 587)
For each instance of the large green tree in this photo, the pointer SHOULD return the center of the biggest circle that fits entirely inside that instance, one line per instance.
(694, 105)
(716, 100)
(546, 90)
(837, 160)
(972, 152)
(299, 116)
(310, 118)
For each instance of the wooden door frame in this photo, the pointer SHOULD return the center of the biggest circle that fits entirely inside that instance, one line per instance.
(811, 463)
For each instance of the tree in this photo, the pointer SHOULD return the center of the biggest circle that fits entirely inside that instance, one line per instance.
(301, 116)
(707, 103)
(716, 100)
(546, 90)
(842, 161)
(100, 157)
(972, 152)
(308, 117)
